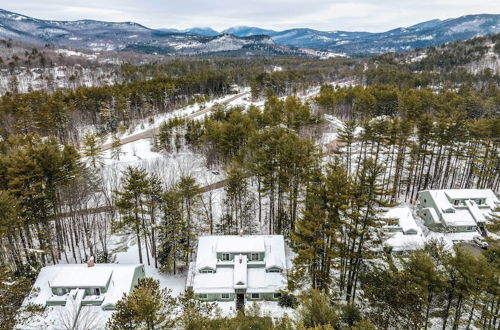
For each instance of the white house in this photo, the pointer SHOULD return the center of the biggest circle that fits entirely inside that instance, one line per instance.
(79, 295)
(239, 268)
(456, 210)
(92, 285)
(402, 231)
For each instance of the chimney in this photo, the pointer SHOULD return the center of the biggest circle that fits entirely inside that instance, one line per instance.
(91, 262)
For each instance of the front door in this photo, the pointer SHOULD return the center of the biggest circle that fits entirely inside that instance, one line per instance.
(240, 301)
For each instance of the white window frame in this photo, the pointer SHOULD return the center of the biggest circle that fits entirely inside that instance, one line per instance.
(224, 296)
(252, 255)
(224, 255)
(257, 294)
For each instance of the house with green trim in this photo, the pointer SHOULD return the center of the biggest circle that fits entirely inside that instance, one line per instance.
(239, 268)
(86, 284)
(456, 210)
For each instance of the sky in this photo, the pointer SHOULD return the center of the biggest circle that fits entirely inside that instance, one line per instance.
(328, 15)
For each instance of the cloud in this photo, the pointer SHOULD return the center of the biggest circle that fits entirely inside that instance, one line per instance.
(357, 15)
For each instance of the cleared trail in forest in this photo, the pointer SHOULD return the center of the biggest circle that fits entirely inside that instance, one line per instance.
(150, 133)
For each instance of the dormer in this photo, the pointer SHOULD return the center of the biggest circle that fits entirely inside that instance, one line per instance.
(207, 270)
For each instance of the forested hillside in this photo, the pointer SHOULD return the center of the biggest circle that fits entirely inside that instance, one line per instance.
(474, 62)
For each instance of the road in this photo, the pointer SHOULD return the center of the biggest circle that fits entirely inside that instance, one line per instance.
(471, 247)
(150, 133)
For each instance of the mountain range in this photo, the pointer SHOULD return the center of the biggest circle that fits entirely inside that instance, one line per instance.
(243, 40)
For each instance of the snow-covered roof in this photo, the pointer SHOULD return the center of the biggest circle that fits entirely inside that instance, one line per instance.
(236, 274)
(240, 244)
(219, 282)
(434, 215)
(441, 201)
(275, 252)
(261, 281)
(401, 242)
(405, 218)
(475, 211)
(461, 217)
(207, 254)
(81, 277)
(240, 272)
(469, 193)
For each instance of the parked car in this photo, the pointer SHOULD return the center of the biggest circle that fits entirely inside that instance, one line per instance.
(480, 242)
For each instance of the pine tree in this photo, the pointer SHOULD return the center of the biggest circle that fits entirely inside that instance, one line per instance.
(131, 204)
(316, 311)
(172, 232)
(364, 220)
(237, 201)
(189, 194)
(313, 238)
(92, 150)
(116, 147)
(147, 307)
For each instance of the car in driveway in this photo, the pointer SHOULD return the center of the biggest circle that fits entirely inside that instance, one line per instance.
(480, 242)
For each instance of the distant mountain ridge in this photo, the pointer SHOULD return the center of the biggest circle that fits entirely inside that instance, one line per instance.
(243, 40)
(129, 36)
(429, 33)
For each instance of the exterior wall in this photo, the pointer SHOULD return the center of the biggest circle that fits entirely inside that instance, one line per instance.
(425, 201)
(56, 303)
(463, 228)
(268, 296)
(138, 274)
(426, 216)
(217, 297)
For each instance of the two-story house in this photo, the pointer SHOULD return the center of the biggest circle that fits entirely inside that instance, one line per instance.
(239, 268)
(456, 210)
(89, 284)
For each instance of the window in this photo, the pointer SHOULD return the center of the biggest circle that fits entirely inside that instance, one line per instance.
(202, 296)
(255, 295)
(274, 270)
(96, 292)
(62, 291)
(276, 295)
(254, 257)
(206, 271)
(470, 228)
(456, 202)
(425, 200)
(225, 257)
(224, 296)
